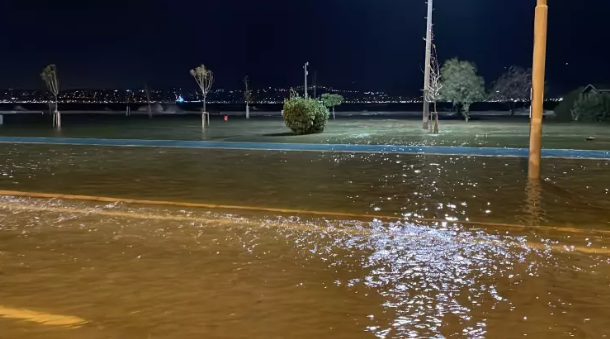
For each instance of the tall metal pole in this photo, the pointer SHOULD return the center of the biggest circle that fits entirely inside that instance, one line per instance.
(426, 111)
(306, 74)
(538, 71)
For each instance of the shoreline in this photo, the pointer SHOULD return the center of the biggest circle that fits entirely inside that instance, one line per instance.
(358, 114)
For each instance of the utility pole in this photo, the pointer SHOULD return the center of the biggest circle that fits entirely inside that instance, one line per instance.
(426, 111)
(538, 71)
(306, 74)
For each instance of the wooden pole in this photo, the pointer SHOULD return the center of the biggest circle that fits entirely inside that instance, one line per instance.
(538, 71)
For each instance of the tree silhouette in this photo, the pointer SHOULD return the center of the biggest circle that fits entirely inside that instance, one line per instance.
(513, 86)
(332, 100)
(205, 79)
(247, 96)
(461, 85)
(49, 75)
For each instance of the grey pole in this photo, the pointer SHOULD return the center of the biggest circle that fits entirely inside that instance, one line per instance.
(306, 74)
(426, 111)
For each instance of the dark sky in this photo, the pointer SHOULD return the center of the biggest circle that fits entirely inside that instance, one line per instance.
(352, 44)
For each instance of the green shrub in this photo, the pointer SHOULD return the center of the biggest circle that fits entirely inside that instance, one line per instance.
(563, 111)
(305, 115)
(591, 107)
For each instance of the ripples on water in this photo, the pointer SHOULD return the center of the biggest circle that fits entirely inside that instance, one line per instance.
(222, 276)
(446, 187)
(140, 272)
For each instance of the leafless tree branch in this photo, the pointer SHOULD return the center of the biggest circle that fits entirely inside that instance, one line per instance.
(433, 89)
(49, 75)
(205, 79)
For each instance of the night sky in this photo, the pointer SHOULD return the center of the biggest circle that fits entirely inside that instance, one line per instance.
(352, 44)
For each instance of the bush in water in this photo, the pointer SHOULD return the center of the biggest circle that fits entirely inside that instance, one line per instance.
(305, 115)
(591, 107)
(563, 111)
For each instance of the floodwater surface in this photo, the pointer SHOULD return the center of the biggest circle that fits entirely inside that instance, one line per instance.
(433, 250)
(494, 132)
(447, 187)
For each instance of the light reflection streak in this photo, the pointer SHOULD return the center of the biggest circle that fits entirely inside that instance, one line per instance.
(533, 213)
(430, 276)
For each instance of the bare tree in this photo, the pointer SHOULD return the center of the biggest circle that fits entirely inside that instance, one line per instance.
(513, 86)
(433, 89)
(49, 75)
(128, 97)
(247, 96)
(150, 114)
(205, 79)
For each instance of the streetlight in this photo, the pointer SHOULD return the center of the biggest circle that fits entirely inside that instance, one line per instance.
(538, 70)
(306, 74)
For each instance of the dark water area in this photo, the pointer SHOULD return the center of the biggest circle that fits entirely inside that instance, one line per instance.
(177, 108)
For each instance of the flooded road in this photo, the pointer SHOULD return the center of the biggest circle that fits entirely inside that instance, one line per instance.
(446, 269)
(447, 187)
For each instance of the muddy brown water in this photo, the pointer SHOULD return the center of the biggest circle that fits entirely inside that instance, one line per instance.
(136, 271)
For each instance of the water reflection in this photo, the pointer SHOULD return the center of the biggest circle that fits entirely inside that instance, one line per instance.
(440, 187)
(533, 214)
(189, 273)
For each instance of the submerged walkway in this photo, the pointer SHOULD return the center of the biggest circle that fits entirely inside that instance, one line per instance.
(347, 148)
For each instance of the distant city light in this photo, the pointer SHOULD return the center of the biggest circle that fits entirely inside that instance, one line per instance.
(265, 95)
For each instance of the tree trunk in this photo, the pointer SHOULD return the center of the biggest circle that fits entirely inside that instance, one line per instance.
(57, 117)
(203, 115)
(512, 109)
(334, 113)
(458, 111)
(247, 111)
(466, 111)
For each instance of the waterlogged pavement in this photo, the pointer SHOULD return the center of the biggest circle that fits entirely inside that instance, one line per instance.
(512, 133)
(299, 147)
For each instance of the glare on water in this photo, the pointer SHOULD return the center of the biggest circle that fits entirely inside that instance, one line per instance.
(445, 265)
